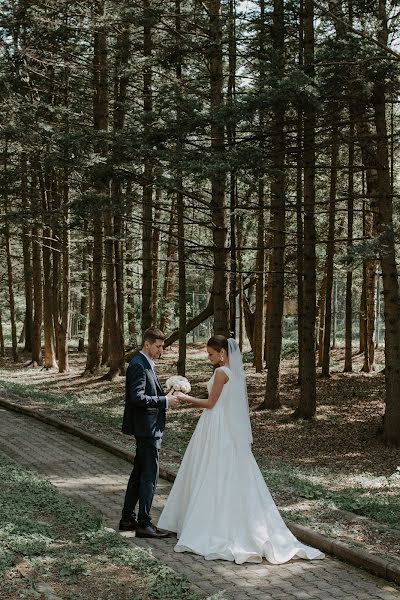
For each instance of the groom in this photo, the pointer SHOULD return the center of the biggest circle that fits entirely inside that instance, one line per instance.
(144, 418)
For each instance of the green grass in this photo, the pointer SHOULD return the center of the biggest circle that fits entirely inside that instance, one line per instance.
(381, 504)
(362, 501)
(64, 544)
(70, 403)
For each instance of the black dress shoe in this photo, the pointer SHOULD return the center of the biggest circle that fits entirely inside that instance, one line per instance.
(128, 524)
(166, 533)
(150, 532)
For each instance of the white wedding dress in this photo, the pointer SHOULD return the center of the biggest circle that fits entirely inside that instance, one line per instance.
(219, 505)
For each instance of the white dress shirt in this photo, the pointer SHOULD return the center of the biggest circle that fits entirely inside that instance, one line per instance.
(153, 368)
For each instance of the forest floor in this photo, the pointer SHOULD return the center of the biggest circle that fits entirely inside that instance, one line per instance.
(333, 473)
(53, 547)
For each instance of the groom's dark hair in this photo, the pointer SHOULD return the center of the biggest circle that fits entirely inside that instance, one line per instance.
(152, 334)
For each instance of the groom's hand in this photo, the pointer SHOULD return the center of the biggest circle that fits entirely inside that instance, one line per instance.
(173, 401)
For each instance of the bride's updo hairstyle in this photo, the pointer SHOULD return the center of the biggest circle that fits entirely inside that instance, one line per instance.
(218, 343)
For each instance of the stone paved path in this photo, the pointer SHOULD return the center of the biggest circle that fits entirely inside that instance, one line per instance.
(90, 474)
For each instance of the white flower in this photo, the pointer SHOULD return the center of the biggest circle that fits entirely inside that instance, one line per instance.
(177, 383)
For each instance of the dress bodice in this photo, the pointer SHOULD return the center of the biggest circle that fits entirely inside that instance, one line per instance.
(228, 372)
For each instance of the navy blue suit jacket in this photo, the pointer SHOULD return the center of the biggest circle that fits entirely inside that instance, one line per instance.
(145, 401)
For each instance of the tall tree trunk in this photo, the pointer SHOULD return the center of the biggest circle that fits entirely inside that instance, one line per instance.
(11, 298)
(330, 253)
(64, 318)
(156, 255)
(170, 271)
(348, 357)
(27, 255)
(84, 297)
(363, 311)
(120, 268)
(239, 238)
(116, 346)
(180, 207)
(10, 275)
(307, 404)
(63, 325)
(220, 288)
(147, 239)
(182, 285)
(37, 270)
(299, 204)
(100, 184)
(231, 138)
(121, 82)
(390, 273)
(369, 286)
(49, 359)
(54, 199)
(105, 350)
(321, 307)
(93, 359)
(132, 329)
(114, 322)
(259, 314)
(278, 207)
(2, 348)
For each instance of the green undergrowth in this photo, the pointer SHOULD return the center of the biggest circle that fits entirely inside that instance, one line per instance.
(63, 548)
(69, 402)
(381, 504)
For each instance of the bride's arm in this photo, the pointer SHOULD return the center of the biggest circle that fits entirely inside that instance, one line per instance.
(220, 379)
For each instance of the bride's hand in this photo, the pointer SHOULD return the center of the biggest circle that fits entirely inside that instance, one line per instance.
(181, 396)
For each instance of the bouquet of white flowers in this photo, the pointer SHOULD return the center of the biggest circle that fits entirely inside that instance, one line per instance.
(177, 383)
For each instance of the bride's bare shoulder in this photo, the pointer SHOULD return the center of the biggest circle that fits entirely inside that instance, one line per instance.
(224, 371)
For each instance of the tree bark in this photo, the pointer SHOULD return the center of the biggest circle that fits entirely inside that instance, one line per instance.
(49, 358)
(114, 324)
(220, 288)
(37, 270)
(278, 216)
(115, 342)
(155, 248)
(170, 272)
(55, 203)
(2, 348)
(348, 357)
(307, 404)
(299, 204)
(390, 273)
(27, 256)
(326, 353)
(84, 297)
(10, 275)
(100, 186)
(147, 236)
(259, 313)
(180, 208)
(132, 329)
(93, 359)
(231, 138)
(321, 306)
(64, 318)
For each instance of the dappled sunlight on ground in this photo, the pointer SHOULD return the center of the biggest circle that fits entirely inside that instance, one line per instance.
(312, 467)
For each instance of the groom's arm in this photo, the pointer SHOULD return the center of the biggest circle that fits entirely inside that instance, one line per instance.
(136, 386)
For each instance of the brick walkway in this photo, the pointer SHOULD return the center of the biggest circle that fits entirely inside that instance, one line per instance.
(92, 475)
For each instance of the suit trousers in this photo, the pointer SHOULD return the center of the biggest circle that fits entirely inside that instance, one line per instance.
(143, 480)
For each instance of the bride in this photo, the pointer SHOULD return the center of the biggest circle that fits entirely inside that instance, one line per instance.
(219, 505)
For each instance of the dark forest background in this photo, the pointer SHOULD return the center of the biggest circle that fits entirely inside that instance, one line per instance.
(233, 164)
